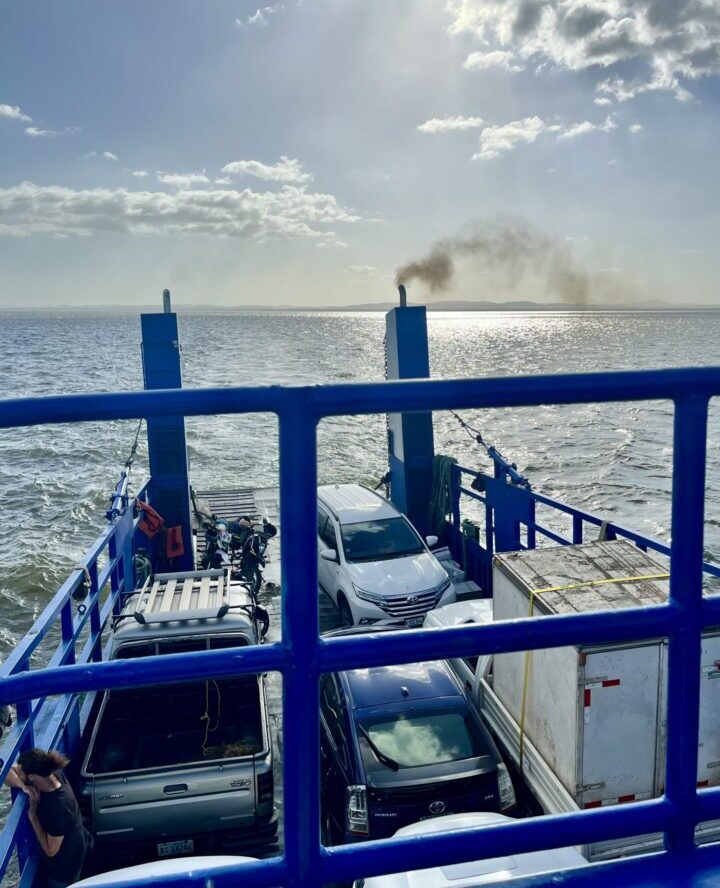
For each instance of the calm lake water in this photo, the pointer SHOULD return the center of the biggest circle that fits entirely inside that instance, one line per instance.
(55, 480)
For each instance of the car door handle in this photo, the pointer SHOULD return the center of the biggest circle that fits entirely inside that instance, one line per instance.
(175, 788)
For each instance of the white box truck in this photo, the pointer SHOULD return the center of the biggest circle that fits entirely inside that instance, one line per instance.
(585, 725)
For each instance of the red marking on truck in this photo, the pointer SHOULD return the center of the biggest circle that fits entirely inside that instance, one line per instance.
(702, 783)
(611, 683)
(597, 804)
(626, 798)
(588, 697)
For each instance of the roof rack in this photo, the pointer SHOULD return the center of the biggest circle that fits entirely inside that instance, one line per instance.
(174, 597)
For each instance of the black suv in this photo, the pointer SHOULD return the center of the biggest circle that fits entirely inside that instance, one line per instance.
(400, 744)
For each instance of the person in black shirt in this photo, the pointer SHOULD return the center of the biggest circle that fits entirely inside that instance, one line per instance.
(54, 814)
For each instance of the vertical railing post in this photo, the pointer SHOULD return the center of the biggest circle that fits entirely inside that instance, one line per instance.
(577, 530)
(684, 656)
(531, 535)
(300, 634)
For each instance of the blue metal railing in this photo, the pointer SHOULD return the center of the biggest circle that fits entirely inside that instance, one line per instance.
(302, 656)
(81, 608)
(514, 512)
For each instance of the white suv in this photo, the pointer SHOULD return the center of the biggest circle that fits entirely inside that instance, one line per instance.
(373, 563)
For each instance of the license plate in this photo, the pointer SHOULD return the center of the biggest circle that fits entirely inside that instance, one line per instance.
(170, 849)
(414, 622)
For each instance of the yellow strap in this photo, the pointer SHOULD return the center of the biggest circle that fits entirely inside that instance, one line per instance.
(528, 654)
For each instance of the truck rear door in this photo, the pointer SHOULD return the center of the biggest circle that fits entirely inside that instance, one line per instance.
(618, 719)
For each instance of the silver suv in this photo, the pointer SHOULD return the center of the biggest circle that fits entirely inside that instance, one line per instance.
(372, 563)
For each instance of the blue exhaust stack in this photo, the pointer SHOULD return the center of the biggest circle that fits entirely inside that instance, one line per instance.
(410, 435)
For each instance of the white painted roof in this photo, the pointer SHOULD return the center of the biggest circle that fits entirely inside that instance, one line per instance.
(475, 873)
(352, 503)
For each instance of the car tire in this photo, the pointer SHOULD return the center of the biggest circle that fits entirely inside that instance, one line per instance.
(346, 617)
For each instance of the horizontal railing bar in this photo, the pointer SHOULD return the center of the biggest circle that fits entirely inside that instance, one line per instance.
(708, 804)
(103, 406)
(472, 494)
(404, 646)
(708, 566)
(495, 840)
(354, 652)
(371, 397)
(139, 671)
(546, 532)
(711, 610)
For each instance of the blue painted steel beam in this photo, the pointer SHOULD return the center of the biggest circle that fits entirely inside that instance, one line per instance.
(684, 656)
(300, 639)
(371, 397)
(495, 840)
(167, 448)
(352, 652)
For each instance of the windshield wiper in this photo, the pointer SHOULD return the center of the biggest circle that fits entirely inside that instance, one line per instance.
(379, 755)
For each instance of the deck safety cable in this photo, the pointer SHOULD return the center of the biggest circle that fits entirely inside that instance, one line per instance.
(565, 588)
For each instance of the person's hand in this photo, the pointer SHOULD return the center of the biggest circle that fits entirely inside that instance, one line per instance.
(34, 799)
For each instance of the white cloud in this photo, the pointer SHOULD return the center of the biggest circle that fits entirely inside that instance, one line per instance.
(28, 209)
(36, 133)
(260, 17)
(140, 174)
(668, 40)
(225, 180)
(601, 100)
(72, 129)
(636, 128)
(496, 59)
(497, 140)
(448, 124)
(577, 129)
(14, 113)
(362, 270)
(108, 155)
(89, 155)
(285, 170)
(182, 180)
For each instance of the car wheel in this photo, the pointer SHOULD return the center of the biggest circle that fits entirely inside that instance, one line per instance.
(346, 617)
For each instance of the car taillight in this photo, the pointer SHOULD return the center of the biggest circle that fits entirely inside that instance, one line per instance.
(265, 787)
(356, 812)
(505, 789)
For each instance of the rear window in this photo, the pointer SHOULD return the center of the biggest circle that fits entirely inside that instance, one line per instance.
(421, 738)
(166, 725)
(375, 540)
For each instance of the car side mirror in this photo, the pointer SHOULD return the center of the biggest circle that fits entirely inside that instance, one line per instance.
(431, 541)
(329, 555)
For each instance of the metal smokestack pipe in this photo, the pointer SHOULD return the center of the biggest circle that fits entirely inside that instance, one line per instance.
(166, 302)
(403, 296)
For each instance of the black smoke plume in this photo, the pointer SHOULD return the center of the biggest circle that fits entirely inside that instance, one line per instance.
(509, 247)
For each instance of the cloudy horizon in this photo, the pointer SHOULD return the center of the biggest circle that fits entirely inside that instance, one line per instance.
(299, 153)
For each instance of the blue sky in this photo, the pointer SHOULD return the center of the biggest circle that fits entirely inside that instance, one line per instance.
(299, 152)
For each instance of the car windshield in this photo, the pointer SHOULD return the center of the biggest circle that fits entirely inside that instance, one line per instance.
(375, 540)
(421, 738)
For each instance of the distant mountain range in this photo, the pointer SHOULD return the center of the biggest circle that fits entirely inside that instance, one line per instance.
(439, 305)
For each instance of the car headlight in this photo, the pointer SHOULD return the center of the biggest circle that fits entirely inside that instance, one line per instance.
(443, 587)
(372, 597)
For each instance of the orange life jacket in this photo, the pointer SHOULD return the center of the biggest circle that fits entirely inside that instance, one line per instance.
(151, 523)
(174, 547)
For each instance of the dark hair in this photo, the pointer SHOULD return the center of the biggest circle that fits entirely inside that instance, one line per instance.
(37, 761)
